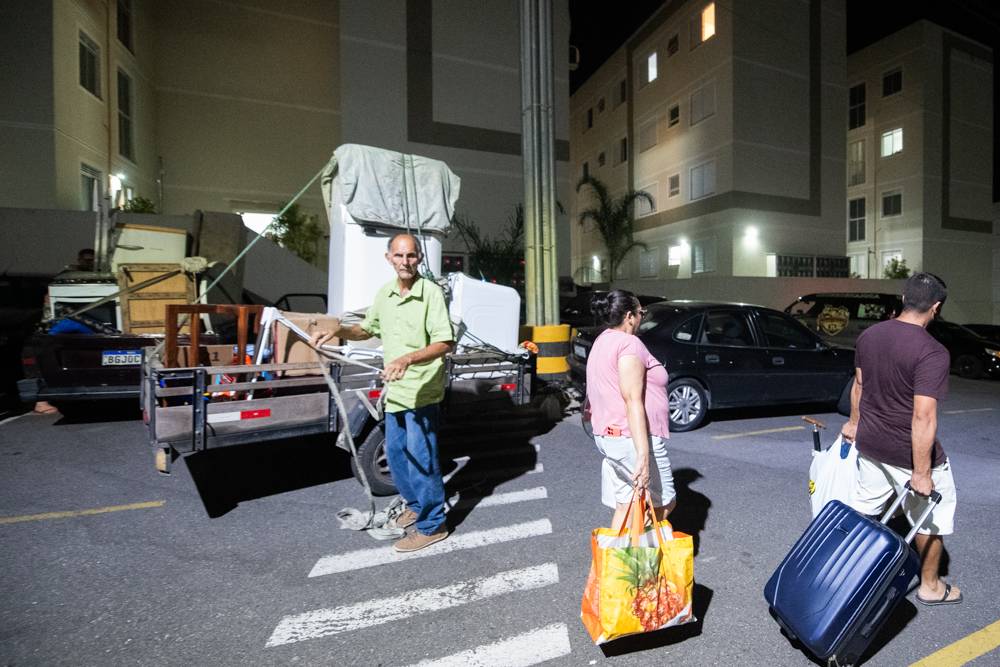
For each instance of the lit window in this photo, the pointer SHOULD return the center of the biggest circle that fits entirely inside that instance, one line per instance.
(702, 180)
(674, 255)
(90, 65)
(856, 220)
(674, 185)
(892, 82)
(892, 204)
(703, 25)
(856, 107)
(125, 143)
(651, 67)
(90, 187)
(674, 115)
(702, 103)
(856, 162)
(892, 142)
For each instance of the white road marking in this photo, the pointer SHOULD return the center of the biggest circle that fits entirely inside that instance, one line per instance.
(765, 431)
(336, 620)
(537, 493)
(364, 558)
(10, 419)
(523, 650)
(960, 412)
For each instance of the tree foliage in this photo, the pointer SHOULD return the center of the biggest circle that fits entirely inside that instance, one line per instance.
(498, 259)
(614, 219)
(297, 232)
(896, 268)
(139, 205)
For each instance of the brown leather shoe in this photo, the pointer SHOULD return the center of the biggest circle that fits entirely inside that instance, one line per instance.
(417, 540)
(406, 519)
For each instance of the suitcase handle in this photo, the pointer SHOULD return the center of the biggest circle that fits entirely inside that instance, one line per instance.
(935, 499)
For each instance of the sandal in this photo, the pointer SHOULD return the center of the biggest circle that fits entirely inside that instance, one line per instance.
(944, 598)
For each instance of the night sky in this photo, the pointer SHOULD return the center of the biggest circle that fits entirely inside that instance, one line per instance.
(598, 29)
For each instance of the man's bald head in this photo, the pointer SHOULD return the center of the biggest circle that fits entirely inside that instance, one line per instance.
(404, 237)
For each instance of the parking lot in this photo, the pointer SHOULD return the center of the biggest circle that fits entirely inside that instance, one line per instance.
(237, 557)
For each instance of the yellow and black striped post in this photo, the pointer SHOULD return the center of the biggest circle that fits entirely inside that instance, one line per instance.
(553, 348)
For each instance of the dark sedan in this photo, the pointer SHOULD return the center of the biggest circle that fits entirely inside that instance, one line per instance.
(721, 355)
(972, 356)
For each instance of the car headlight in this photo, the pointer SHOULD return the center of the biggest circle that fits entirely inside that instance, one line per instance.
(993, 353)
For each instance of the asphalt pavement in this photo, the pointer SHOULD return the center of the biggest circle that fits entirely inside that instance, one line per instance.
(237, 558)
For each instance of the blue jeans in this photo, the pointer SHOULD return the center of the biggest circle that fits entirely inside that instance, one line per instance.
(411, 447)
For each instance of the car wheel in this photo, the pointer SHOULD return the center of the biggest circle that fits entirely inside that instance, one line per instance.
(968, 366)
(688, 405)
(844, 404)
(373, 461)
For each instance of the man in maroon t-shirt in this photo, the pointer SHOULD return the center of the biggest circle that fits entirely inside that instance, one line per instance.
(901, 373)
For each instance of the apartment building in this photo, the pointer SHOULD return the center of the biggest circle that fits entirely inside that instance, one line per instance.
(732, 116)
(920, 162)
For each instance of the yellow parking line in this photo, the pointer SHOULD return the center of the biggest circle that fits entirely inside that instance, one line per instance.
(959, 412)
(97, 510)
(729, 436)
(964, 650)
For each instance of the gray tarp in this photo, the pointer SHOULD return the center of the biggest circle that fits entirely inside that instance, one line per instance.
(391, 188)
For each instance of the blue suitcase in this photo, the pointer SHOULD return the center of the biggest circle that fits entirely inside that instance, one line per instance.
(842, 579)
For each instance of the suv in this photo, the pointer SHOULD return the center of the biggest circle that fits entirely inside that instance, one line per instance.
(840, 317)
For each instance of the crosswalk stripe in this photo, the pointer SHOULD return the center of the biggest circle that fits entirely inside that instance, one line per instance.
(537, 493)
(364, 558)
(526, 649)
(336, 620)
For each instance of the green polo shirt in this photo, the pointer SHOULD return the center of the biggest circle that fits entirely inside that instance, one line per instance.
(406, 324)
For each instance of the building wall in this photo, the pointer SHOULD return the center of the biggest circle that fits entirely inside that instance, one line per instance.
(247, 102)
(441, 78)
(26, 106)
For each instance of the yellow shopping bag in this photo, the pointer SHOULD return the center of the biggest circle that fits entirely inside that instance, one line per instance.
(641, 576)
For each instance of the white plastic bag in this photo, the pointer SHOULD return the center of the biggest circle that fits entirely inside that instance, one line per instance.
(832, 474)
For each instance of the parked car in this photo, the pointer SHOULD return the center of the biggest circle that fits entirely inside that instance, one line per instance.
(972, 356)
(725, 355)
(987, 331)
(840, 317)
(575, 311)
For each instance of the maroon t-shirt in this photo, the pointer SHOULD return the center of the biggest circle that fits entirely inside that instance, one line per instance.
(897, 360)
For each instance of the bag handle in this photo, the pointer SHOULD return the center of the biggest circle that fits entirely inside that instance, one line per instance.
(640, 508)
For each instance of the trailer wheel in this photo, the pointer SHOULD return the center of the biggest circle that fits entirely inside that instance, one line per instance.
(372, 459)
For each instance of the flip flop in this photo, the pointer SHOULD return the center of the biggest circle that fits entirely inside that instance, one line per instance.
(944, 598)
(53, 411)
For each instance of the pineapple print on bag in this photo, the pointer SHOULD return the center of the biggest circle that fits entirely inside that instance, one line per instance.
(656, 600)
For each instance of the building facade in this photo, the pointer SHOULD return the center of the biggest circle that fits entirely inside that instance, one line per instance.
(732, 117)
(920, 163)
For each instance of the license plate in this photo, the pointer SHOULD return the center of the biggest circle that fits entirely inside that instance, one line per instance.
(121, 357)
(580, 351)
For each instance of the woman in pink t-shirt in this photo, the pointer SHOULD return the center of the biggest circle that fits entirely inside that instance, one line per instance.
(627, 392)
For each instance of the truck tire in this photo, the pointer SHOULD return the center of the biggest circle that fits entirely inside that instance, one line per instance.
(844, 404)
(372, 460)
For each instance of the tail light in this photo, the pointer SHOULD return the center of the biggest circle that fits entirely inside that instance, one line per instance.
(374, 394)
(511, 386)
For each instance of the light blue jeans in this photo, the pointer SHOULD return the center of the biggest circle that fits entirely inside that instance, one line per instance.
(412, 450)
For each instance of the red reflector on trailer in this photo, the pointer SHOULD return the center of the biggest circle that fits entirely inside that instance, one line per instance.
(374, 394)
(508, 387)
(28, 361)
(255, 414)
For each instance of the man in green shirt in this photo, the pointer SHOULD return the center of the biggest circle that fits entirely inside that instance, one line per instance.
(410, 316)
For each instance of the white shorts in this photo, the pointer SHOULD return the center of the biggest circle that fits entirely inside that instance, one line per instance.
(616, 489)
(877, 482)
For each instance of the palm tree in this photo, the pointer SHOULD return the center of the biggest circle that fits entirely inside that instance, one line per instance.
(614, 218)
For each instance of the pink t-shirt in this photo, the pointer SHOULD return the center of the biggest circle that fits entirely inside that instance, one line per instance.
(607, 407)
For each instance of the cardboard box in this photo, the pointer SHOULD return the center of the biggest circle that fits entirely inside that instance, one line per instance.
(290, 349)
(210, 355)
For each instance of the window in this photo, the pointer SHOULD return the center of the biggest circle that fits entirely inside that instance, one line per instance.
(856, 219)
(648, 263)
(892, 204)
(674, 185)
(622, 93)
(647, 136)
(856, 162)
(674, 115)
(124, 17)
(892, 142)
(600, 105)
(784, 332)
(586, 170)
(856, 107)
(601, 159)
(702, 103)
(703, 25)
(859, 265)
(892, 82)
(125, 144)
(672, 45)
(590, 118)
(674, 255)
(90, 65)
(687, 332)
(889, 255)
(623, 150)
(644, 206)
(702, 180)
(726, 328)
(90, 179)
(703, 256)
(651, 67)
